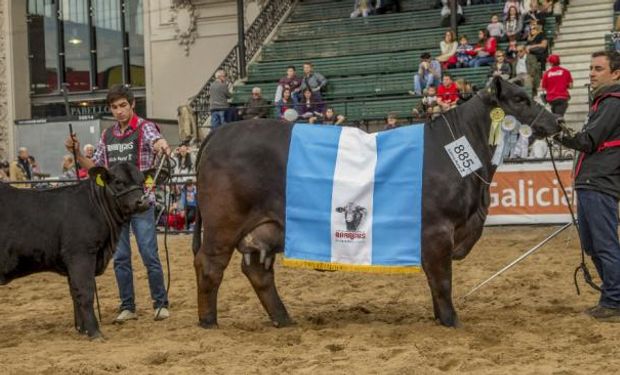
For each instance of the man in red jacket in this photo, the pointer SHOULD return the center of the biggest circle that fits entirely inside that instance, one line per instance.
(556, 81)
(447, 93)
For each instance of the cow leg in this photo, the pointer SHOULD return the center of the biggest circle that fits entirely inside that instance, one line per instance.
(82, 284)
(437, 264)
(78, 322)
(210, 266)
(259, 250)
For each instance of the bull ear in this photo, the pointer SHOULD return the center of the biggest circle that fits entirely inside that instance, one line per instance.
(149, 176)
(494, 89)
(100, 175)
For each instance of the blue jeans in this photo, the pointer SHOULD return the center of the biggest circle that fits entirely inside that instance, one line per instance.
(481, 61)
(218, 118)
(143, 225)
(418, 81)
(598, 230)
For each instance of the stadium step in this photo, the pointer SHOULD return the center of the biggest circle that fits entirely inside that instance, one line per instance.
(591, 15)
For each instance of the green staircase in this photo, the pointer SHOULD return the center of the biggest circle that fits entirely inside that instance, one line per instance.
(369, 62)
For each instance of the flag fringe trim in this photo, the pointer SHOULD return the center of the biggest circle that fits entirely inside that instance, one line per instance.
(332, 266)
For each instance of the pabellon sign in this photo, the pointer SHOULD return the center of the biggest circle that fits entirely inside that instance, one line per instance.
(530, 193)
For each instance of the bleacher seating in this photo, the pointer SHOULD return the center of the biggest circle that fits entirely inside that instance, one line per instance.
(369, 62)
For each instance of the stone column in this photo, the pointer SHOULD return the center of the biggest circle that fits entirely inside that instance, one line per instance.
(4, 71)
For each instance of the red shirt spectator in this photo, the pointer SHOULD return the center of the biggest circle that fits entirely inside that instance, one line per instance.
(556, 80)
(447, 93)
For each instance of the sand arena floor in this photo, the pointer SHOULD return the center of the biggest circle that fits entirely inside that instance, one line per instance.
(528, 321)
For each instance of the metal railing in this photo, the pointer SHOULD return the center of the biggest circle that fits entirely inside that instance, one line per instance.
(255, 37)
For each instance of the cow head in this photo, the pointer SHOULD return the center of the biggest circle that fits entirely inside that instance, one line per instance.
(516, 102)
(125, 184)
(353, 215)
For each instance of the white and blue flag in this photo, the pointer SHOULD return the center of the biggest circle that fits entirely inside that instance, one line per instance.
(353, 199)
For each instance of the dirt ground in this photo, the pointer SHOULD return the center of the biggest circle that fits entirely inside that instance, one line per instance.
(528, 321)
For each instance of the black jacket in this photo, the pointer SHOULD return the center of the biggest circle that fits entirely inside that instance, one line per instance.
(599, 169)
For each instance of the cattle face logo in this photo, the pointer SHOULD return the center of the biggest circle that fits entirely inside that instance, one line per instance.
(354, 216)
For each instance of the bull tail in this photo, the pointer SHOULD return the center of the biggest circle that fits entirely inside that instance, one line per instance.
(197, 239)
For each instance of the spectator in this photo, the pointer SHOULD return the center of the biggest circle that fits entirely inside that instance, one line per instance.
(218, 101)
(513, 24)
(309, 106)
(466, 90)
(286, 102)
(256, 106)
(89, 151)
(429, 72)
(289, 81)
(329, 117)
(385, 6)
(447, 93)
(448, 50)
(20, 169)
(188, 202)
(537, 45)
(496, 28)
(446, 13)
(545, 9)
(513, 3)
(500, 68)
(556, 81)
(68, 168)
(312, 80)
(464, 52)
(511, 51)
(526, 69)
(184, 162)
(530, 18)
(426, 106)
(34, 166)
(361, 8)
(485, 49)
(391, 121)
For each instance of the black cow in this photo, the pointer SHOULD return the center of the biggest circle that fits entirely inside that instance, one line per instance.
(241, 185)
(71, 230)
(353, 215)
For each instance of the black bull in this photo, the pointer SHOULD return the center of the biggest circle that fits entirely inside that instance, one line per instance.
(241, 185)
(70, 230)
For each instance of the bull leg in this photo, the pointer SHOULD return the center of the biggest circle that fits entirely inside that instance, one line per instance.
(78, 322)
(82, 284)
(437, 264)
(262, 278)
(210, 268)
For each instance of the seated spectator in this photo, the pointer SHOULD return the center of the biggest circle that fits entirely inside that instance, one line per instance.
(309, 106)
(485, 49)
(537, 45)
(466, 90)
(286, 102)
(496, 28)
(525, 68)
(513, 3)
(446, 13)
(513, 25)
(511, 51)
(447, 93)
(500, 68)
(531, 14)
(391, 121)
(361, 8)
(386, 6)
(545, 9)
(464, 52)
(448, 50)
(329, 117)
(312, 80)
(426, 106)
(429, 72)
(289, 81)
(256, 106)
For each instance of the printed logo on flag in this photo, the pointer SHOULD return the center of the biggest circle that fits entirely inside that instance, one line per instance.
(353, 215)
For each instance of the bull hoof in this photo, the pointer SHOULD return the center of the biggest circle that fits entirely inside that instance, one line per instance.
(282, 323)
(208, 324)
(452, 323)
(96, 337)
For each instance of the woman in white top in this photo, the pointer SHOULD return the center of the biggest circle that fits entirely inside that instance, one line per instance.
(448, 50)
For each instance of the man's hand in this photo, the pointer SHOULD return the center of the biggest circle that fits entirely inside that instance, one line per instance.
(161, 145)
(73, 143)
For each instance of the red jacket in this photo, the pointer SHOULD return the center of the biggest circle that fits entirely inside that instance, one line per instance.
(490, 46)
(556, 82)
(448, 94)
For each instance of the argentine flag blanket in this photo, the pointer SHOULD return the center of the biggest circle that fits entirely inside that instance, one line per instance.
(353, 199)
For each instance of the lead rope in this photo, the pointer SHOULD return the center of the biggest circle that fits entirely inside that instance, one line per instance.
(167, 192)
(581, 267)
